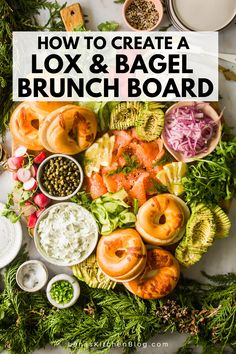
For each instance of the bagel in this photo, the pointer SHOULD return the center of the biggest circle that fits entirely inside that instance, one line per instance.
(48, 106)
(68, 130)
(25, 122)
(162, 219)
(121, 255)
(159, 278)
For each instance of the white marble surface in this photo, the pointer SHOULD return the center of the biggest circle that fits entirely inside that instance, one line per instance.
(221, 256)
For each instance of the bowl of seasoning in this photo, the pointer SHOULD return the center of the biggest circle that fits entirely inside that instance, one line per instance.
(143, 15)
(60, 177)
(63, 291)
(191, 131)
(32, 276)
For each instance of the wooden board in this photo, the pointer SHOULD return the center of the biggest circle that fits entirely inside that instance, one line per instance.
(72, 17)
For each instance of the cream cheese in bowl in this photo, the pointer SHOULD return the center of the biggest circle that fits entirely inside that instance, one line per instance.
(10, 239)
(66, 234)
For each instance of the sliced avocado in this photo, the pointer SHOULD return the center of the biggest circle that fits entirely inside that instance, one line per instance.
(89, 272)
(150, 122)
(199, 236)
(124, 115)
(223, 223)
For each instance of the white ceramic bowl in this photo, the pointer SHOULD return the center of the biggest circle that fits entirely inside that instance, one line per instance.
(61, 262)
(74, 284)
(10, 239)
(40, 172)
(38, 271)
(209, 111)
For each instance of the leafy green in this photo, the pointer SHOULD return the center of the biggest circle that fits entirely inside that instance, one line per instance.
(111, 212)
(80, 28)
(19, 15)
(9, 211)
(108, 26)
(212, 179)
(102, 319)
(83, 199)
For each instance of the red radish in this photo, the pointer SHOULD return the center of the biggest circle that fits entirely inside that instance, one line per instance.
(32, 221)
(28, 202)
(33, 170)
(14, 175)
(24, 174)
(11, 164)
(41, 200)
(18, 161)
(40, 157)
(39, 212)
(30, 185)
(20, 151)
(28, 210)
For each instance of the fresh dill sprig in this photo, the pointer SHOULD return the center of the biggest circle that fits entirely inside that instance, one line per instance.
(131, 164)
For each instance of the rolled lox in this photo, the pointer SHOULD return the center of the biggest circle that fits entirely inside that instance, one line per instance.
(159, 278)
(68, 130)
(162, 219)
(121, 255)
(25, 122)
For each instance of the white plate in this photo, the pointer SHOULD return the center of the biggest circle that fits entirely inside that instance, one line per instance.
(10, 239)
(204, 15)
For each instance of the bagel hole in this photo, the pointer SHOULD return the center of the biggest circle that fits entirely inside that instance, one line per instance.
(162, 219)
(35, 123)
(120, 253)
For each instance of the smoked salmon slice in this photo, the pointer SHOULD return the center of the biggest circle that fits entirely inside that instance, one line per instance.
(95, 185)
(139, 182)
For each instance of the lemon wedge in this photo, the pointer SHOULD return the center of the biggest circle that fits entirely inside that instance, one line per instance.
(99, 154)
(171, 177)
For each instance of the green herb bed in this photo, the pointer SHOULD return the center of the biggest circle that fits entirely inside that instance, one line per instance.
(102, 319)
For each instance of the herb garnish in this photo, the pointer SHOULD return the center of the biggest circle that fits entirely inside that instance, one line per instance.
(131, 165)
(207, 313)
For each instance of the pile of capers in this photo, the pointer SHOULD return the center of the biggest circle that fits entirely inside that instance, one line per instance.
(60, 177)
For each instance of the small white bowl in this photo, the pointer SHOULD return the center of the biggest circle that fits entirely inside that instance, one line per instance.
(40, 172)
(74, 284)
(58, 262)
(37, 269)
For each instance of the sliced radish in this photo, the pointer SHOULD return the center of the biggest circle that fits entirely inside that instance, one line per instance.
(11, 164)
(32, 221)
(39, 212)
(33, 170)
(18, 161)
(14, 175)
(24, 174)
(20, 151)
(40, 157)
(27, 210)
(30, 185)
(41, 200)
